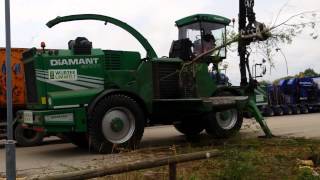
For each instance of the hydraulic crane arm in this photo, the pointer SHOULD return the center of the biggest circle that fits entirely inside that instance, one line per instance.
(143, 41)
(249, 26)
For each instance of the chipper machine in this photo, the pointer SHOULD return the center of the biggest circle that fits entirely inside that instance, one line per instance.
(104, 99)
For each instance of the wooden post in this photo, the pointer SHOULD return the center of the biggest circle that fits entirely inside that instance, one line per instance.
(172, 171)
(150, 163)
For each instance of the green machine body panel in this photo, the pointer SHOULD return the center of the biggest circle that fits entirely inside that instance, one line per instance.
(63, 71)
(54, 121)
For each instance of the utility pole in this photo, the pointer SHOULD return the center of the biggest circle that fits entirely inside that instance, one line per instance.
(10, 143)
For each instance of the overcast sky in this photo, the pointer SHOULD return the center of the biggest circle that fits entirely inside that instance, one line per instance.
(155, 20)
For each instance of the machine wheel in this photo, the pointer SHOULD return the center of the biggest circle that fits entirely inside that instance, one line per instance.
(79, 139)
(224, 124)
(27, 137)
(278, 111)
(268, 112)
(116, 120)
(286, 110)
(295, 110)
(190, 127)
(304, 110)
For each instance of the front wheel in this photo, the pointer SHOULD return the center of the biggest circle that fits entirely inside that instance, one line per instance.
(224, 124)
(116, 120)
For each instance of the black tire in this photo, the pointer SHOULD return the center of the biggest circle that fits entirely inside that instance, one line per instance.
(99, 123)
(190, 127)
(289, 111)
(286, 110)
(268, 112)
(27, 137)
(215, 129)
(79, 139)
(295, 110)
(278, 111)
(214, 122)
(304, 109)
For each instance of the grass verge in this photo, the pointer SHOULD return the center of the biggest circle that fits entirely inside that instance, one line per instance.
(277, 158)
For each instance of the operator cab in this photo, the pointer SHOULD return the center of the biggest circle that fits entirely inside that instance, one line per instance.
(198, 34)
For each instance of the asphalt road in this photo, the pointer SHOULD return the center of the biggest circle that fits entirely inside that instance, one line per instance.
(54, 156)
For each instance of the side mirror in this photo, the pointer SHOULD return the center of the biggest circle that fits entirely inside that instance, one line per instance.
(263, 61)
(264, 70)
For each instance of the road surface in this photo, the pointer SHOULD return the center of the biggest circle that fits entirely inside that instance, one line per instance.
(56, 157)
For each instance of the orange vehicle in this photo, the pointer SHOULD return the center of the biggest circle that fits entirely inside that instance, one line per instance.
(18, 89)
(27, 137)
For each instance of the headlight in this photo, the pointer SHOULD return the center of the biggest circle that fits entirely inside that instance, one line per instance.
(27, 117)
(49, 101)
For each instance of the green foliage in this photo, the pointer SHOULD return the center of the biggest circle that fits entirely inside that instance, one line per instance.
(307, 73)
(315, 155)
(264, 83)
(307, 174)
(240, 166)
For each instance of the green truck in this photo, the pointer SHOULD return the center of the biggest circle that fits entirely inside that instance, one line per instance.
(104, 99)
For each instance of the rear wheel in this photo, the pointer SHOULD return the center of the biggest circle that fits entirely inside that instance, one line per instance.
(116, 120)
(28, 137)
(224, 124)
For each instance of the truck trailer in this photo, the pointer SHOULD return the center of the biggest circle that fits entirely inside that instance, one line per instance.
(290, 96)
(27, 137)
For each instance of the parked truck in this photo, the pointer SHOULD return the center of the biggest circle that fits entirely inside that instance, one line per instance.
(27, 137)
(290, 96)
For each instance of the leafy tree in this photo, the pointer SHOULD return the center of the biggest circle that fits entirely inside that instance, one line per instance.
(264, 82)
(310, 73)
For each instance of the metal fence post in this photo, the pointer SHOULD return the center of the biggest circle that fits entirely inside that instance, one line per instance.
(10, 144)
